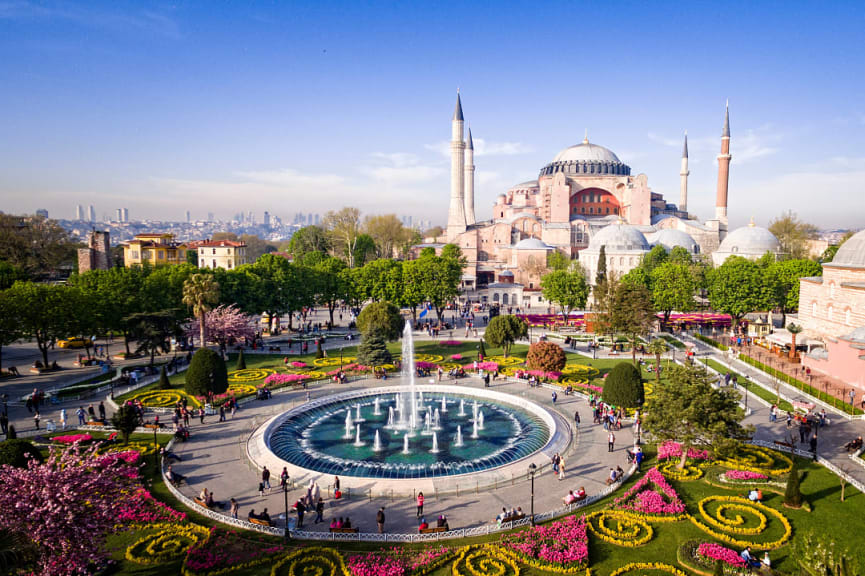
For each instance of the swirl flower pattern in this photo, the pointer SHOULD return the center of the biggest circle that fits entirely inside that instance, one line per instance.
(163, 398)
(620, 528)
(165, 542)
(249, 374)
(311, 561)
(485, 560)
(726, 518)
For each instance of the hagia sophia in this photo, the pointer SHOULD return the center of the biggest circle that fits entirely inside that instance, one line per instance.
(585, 198)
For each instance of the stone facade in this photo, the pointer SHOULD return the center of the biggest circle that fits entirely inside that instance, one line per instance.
(97, 255)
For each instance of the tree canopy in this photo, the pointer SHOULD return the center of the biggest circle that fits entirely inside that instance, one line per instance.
(383, 318)
(568, 290)
(736, 287)
(503, 331)
(793, 234)
(624, 386)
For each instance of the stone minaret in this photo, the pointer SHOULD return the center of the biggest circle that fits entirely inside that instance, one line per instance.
(457, 211)
(470, 180)
(723, 171)
(683, 175)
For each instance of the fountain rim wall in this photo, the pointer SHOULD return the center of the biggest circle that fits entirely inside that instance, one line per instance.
(260, 453)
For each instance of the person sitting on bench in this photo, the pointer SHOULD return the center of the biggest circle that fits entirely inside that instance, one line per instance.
(168, 454)
(755, 495)
(211, 503)
(174, 477)
(442, 522)
(253, 515)
(750, 561)
(346, 523)
(423, 524)
(264, 516)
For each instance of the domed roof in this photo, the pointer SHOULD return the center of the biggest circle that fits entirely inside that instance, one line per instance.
(531, 244)
(669, 238)
(506, 273)
(585, 152)
(529, 184)
(852, 252)
(750, 240)
(618, 237)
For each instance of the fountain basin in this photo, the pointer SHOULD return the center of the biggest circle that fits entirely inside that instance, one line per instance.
(309, 439)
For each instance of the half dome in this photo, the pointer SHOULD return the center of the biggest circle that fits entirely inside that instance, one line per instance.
(851, 253)
(618, 237)
(750, 241)
(670, 238)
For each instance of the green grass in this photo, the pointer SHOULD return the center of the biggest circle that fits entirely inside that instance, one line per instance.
(836, 403)
(753, 387)
(673, 341)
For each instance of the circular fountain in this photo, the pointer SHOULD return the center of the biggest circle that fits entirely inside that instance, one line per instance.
(409, 432)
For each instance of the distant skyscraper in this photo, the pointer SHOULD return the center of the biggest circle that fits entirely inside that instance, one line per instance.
(266, 219)
(120, 214)
(210, 216)
(42, 212)
(91, 213)
(317, 219)
(126, 215)
(79, 212)
(188, 216)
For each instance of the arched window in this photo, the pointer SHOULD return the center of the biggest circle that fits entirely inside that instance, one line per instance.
(496, 297)
(504, 298)
(831, 289)
(829, 312)
(814, 309)
(621, 260)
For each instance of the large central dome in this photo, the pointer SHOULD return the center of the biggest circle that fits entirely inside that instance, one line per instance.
(586, 158)
(586, 152)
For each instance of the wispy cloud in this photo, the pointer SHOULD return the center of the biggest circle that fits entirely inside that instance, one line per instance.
(747, 146)
(114, 20)
(401, 169)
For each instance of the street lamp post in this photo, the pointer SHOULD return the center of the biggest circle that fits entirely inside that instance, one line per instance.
(532, 470)
(285, 497)
(155, 448)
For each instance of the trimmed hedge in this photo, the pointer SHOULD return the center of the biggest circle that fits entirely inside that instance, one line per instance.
(624, 386)
(206, 373)
(710, 342)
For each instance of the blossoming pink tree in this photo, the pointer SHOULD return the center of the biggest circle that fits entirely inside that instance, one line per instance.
(65, 506)
(224, 325)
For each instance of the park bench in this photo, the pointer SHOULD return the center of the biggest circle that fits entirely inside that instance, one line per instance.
(95, 423)
(434, 530)
(260, 522)
(201, 503)
(153, 426)
(344, 530)
(513, 518)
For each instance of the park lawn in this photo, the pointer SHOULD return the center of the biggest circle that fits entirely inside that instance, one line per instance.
(672, 341)
(752, 387)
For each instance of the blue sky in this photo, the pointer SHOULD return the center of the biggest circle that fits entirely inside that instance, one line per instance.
(310, 106)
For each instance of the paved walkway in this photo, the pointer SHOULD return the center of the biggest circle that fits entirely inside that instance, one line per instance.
(215, 459)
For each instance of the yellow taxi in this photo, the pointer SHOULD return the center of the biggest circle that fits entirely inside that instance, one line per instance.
(71, 343)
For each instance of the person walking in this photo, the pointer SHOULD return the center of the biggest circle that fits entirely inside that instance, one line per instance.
(301, 509)
(379, 519)
(63, 418)
(101, 412)
(577, 418)
(283, 477)
(555, 397)
(561, 468)
(234, 508)
(611, 441)
(4, 423)
(201, 414)
(419, 504)
(265, 478)
(319, 511)
(813, 445)
(221, 413)
(36, 419)
(80, 412)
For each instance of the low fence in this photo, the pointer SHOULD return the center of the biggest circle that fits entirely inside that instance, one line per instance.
(810, 455)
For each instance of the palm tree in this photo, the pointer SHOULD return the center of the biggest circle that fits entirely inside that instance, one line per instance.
(657, 347)
(793, 329)
(201, 292)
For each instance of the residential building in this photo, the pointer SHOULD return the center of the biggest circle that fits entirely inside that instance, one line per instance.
(225, 254)
(153, 249)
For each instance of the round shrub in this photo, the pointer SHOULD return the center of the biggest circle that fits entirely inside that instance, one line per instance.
(381, 317)
(624, 386)
(18, 452)
(546, 356)
(206, 373)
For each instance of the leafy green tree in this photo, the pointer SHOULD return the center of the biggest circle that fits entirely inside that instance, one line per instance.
(364, 249)
(482, 349)
(373, 350)
(673, 288)
(688, 409)
(546, 356)
(604, 294)
(654, 258)
(412, 294)
(568, 290)
(10, 327)
(343, 228)
(387, 232)
(383, 318)
(793, 329)
(152, 331)
(380, 280)
(781, 282)
(241, 361)
(793, 234)
(624, 386)
(192, 257)
(439, 276)
(309, 239)
(35, 245)
(601, 274)
(125, 420)
(638, 277)
(201, 294)
(162, 289)
(206, 373)
(10, 274)
(793, 492)
(736, 287)
(45, 312)
(18, 453)
(557, 261)
(503, 331)
(240, 287)
(327, 279)
(631, 314)
(680, 255)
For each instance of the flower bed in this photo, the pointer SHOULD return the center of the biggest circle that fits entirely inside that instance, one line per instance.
(456, 356)
(711, 552)
(564, 543)
(619, 528)
(653, 495)
(689, 472)
(760, 460)
(73, 438)
(163, 398)
(141, 507)
(450, 343)
(297, 364)
(226, 551)
(276, 380)
(670, 449)
(488, 366)
(165, 543)
(744, 475)
(644, 567)
(728, 529)
(249, 374)
(314, 560)
(485, 560)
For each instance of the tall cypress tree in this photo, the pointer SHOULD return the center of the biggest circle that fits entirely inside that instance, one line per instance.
(601, 275)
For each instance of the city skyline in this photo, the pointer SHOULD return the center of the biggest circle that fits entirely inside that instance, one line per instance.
(270, 110)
